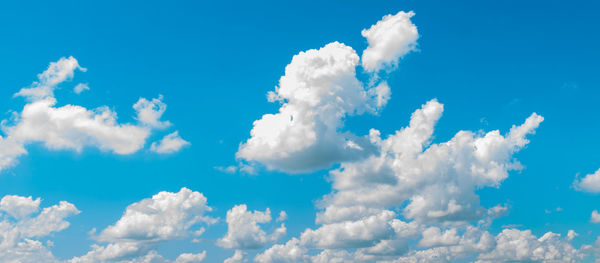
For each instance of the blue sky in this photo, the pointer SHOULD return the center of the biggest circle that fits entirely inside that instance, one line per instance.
(490, 63)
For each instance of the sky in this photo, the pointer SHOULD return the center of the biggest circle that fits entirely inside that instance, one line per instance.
(299, 131)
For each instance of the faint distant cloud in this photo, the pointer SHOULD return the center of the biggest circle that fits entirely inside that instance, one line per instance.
(80, 88)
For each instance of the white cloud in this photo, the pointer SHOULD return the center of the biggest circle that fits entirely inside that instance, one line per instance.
(19, 206)
(237, 257)
(190, 258)
(390, 39)
(318, 90)
(169, 144)
(243, 231)
(56, 73)
(282, 216)
(432, 186)
(590, 183)
(166, 216)
(595, 218)
(433, 237)
(351, 234)
(81, 87)
(240, 167)
(289, 252)
(73, 127)
(516, 245)
(20, 225)
(149, 112)
(437, 183)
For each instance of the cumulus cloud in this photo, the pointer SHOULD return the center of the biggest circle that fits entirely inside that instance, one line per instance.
(171, 143)
(21, 225)
(351, 234)
(438, 183)
(432, 187)
(318, 90)
(589, 183)
(166, 216)
(73, 127)
(57, 72)
(244, 232)
(390, 39)
(289, 252)
(516, 245)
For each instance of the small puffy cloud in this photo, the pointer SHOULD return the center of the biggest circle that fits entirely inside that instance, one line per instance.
(243, 231)
(149, 112)
(81, 87)
(56, 73)
(595, 218)
(390, 39)
(190, 258)
(171, 143)
(22, 226)
(589, 183)
(571, 234)
(282, 216)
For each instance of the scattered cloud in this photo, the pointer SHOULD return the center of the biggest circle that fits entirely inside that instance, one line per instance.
(390, 39)
(21, 226)
(57, 72)
(169, 144)
(73, 127)
(81, 87)
(595, 218)
(589, 183)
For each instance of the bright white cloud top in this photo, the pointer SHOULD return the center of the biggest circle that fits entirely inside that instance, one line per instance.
(389, 40)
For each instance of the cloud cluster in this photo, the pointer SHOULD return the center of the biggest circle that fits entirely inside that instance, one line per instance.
(399, 198)
(21, 226)
(73, 127)
(166, 216)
